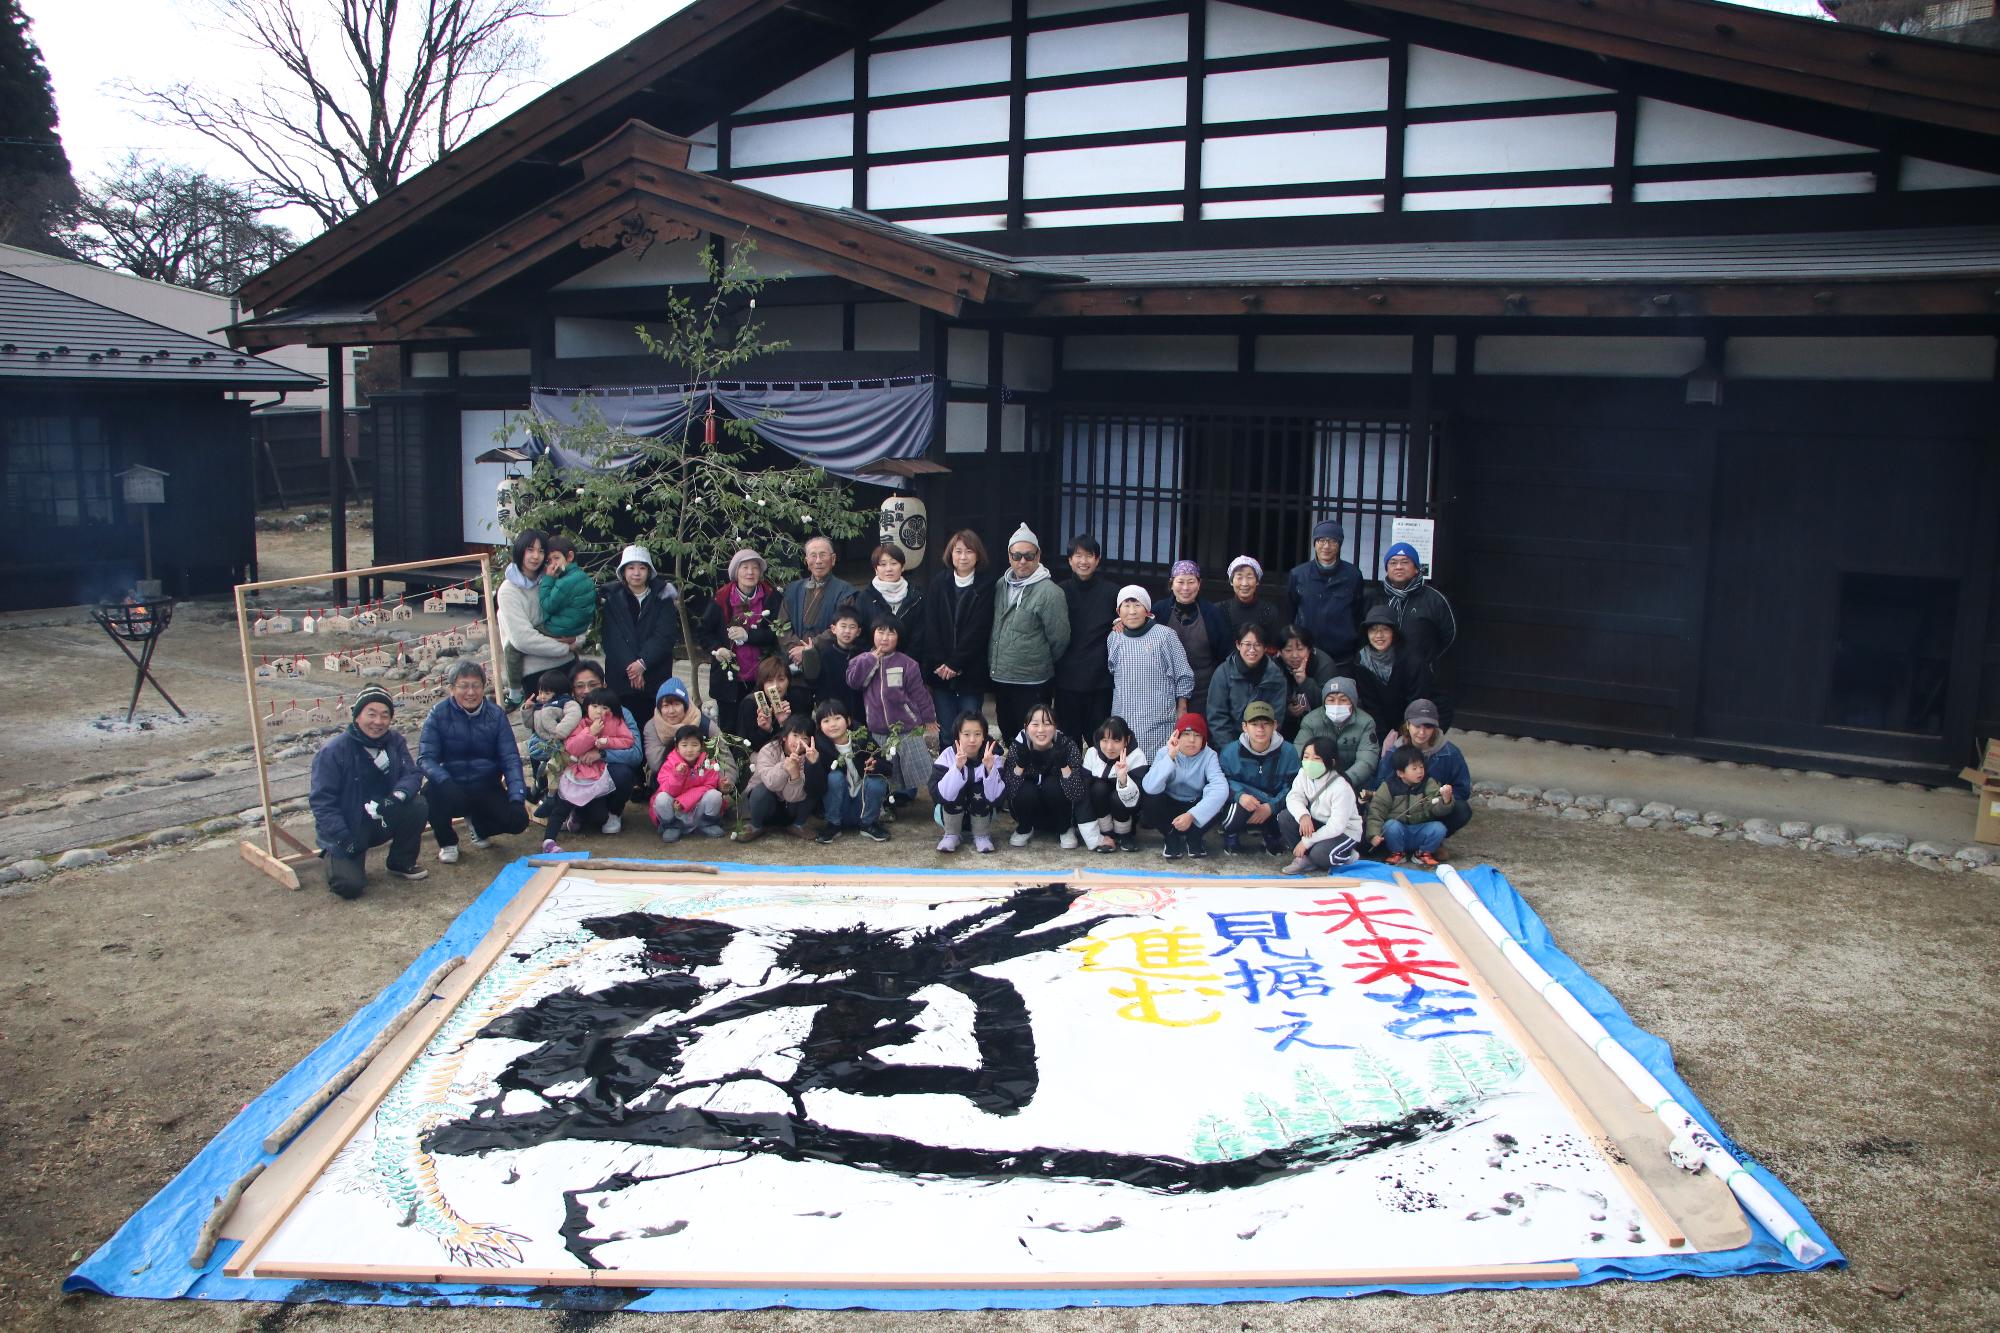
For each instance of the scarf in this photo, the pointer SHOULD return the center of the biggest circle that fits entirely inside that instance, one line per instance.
(378, 747)
(1380, 662)
(963, 580)
(749, 613)
(895, 594)
(1396, 595)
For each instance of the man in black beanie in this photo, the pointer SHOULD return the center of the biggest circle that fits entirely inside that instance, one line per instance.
(366, 790)
(1323, 597)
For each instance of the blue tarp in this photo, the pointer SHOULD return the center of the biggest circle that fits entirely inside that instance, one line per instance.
(149, 1254)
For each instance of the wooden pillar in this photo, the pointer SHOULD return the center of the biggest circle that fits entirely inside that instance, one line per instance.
(336, 464)
(1417, 483)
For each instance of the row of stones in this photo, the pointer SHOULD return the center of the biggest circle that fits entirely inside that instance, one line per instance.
(1728, 765)
(78, 858)
(1628, 812)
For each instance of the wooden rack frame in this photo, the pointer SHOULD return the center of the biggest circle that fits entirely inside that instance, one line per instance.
(280, 865)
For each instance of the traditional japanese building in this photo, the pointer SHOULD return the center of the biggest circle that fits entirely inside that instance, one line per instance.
(1679, 318)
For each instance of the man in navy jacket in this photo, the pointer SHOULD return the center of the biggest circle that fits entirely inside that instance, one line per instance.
(364, 793)
(1323, 596)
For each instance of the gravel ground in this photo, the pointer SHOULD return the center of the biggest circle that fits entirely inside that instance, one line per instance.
(1819, 1007)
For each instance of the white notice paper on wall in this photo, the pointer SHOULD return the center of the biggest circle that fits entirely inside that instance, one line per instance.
(1420, 533)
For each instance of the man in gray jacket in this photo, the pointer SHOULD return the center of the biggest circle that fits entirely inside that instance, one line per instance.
(1030, 631)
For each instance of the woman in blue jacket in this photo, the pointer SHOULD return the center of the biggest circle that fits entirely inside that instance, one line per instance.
(364, 793)
(471, 766)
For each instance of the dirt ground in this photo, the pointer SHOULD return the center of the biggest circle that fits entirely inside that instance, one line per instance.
(1830, 1013)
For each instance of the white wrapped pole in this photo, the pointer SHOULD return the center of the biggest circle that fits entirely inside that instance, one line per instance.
(1692, 1147)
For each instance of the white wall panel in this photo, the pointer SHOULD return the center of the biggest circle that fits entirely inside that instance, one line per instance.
(1149, 351)
(596, 337)
(437, 365)
(1128, 169)
(1755, 187)
(1013, 428)
(1548, 196)
(919, 184)
(1286, 159)
(965, 428)
(1347, 354)
(1440, 78)
(1148, 104)
(965, 353)
(1526, 143)
(1106, 217)
(1670, 133)
(944, 125)
(952, 14)
(803, 328)
(1923, 174)
(1318, 206)
(792, 141)
(1154, 41)
(831, 82)
(1028, 362)
(1333, 89)
(952, 65)
(655, 266)
(701, 155)
(887, 326)
(828, 189)
(1039, 9)
(1859, 359)
(956, 226)
(1236, 31)
(1650, 358)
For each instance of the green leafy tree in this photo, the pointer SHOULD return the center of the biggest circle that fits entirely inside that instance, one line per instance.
(690, 502)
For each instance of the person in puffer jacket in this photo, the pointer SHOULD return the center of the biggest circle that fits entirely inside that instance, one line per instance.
(1406, 817)
(1249, 675)
(1184, 790)
(1321, 819)
(690, 792)
(1046, 789)
(471, 766)
(1260, 767)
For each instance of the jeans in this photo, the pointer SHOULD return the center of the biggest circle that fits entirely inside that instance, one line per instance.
(486, 807)
(845, 808)
(1398, 837)
(346, 874)
(953, 704)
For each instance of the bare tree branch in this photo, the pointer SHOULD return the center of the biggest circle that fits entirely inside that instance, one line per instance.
(178, 225)
(359, 94)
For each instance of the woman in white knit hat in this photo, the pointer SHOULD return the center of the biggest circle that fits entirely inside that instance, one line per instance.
(641, 627)
(1151, 680)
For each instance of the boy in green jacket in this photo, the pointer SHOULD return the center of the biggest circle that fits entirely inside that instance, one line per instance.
(1406, 814)
(568, 597)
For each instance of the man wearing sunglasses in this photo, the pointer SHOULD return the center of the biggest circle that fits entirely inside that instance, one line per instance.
(1030, 631)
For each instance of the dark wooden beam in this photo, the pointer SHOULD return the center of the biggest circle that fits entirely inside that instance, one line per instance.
(1976, 294)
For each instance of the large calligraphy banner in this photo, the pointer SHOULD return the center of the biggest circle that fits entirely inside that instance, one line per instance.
(806, 1081)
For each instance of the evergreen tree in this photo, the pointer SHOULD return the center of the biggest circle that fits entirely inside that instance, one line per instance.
(36, 189)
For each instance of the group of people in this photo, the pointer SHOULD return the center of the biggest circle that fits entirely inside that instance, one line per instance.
(1313, 730)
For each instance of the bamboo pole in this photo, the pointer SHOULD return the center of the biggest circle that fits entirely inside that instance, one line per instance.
(371, 571)
(1647, 1090)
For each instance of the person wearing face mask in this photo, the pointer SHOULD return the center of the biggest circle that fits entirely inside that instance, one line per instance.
(1203, 633)
(1324, 594)
(1249, 676)
(1444, 762)
(1351, 730)
(1321, 821)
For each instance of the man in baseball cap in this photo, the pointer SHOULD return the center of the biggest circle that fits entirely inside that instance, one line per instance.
(1260, 765)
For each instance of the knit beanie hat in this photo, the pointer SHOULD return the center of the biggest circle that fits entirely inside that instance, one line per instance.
(1132, 592)
(373, 694)
(1245, 562)
(1191, 722)
(1185, 567)
(1341, 685)
(1329, 528)
(1400, 548)
(673, 685)
(1024, 533)
(736, 561)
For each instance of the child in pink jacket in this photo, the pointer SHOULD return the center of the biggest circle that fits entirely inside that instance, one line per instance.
(690, 794)
(583, 792)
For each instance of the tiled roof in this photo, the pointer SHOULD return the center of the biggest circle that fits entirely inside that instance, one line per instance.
(47, 334)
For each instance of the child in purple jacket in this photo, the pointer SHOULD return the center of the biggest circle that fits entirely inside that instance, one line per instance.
(891, 685)
(966, 783)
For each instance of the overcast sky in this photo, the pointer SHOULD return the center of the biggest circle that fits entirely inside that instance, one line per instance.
(91, 45)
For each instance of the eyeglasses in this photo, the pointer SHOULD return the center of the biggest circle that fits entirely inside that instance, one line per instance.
(1021, 555)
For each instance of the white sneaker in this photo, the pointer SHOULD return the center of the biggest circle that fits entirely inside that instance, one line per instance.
(449, 855)
(481, 843)
(612, 823)
(1021, 837)
(1068, 840)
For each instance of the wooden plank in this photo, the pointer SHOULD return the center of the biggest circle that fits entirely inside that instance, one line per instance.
(269, 864)
(532, 894)
(615, 1277)
(1642, 1194)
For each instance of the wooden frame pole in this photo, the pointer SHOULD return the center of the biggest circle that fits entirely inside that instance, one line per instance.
(267, 858)
(499, 673)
